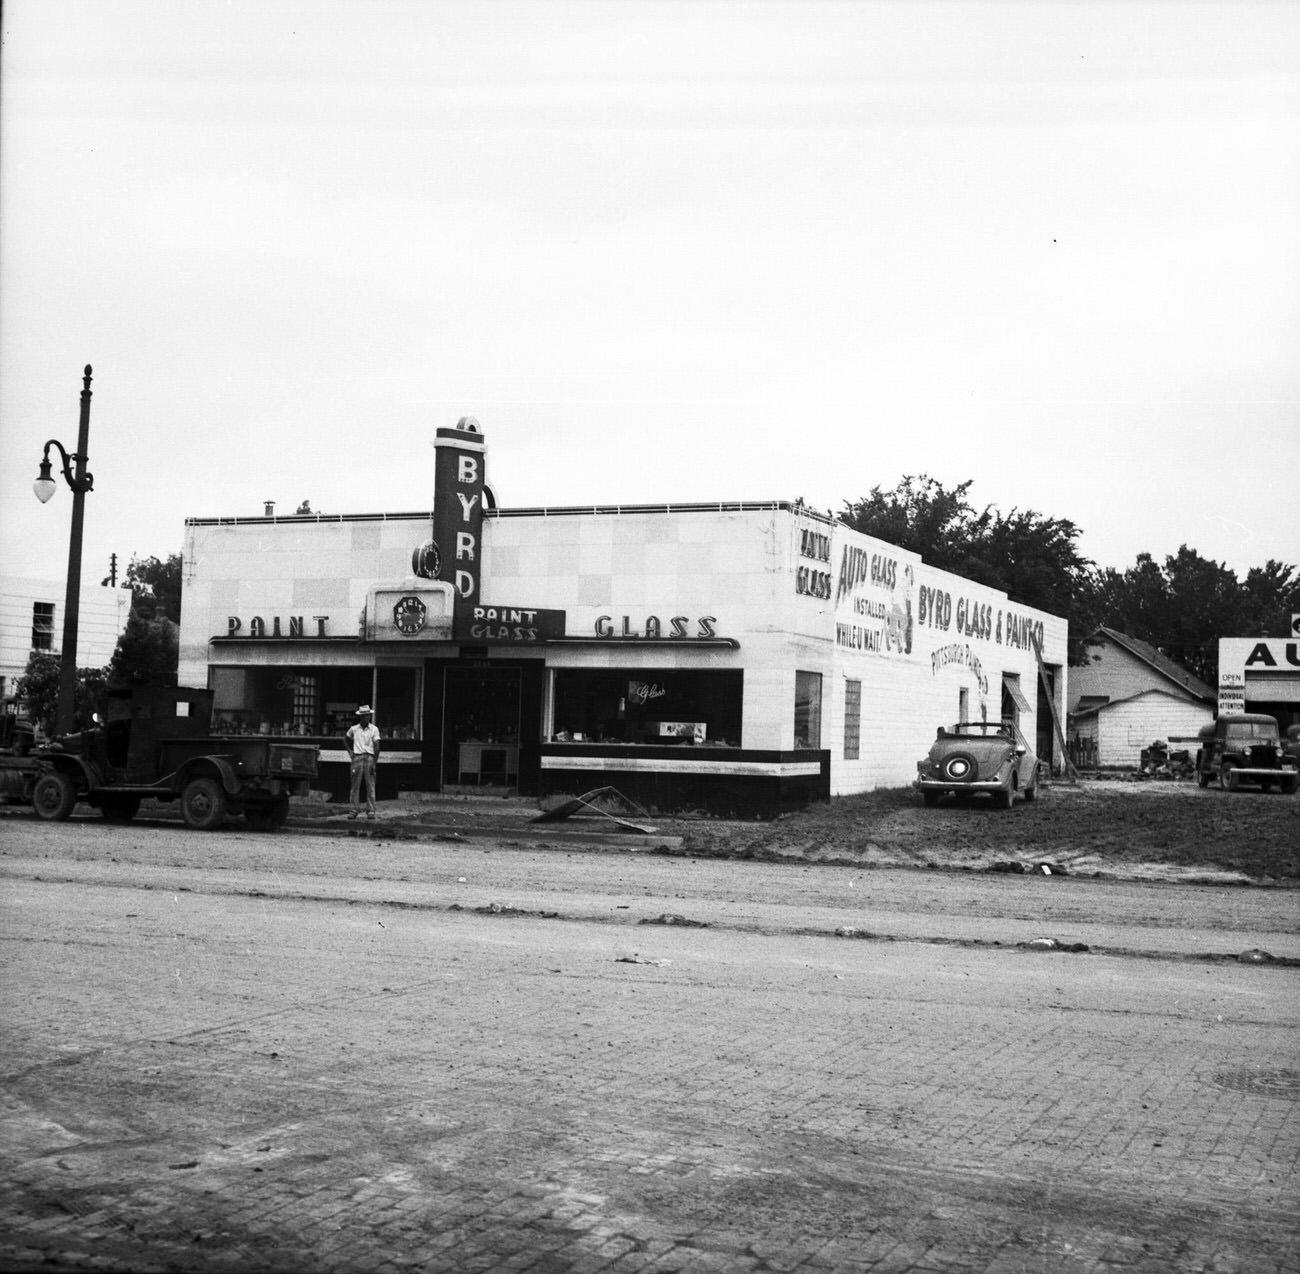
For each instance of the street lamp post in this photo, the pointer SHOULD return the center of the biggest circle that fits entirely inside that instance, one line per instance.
(81, 481)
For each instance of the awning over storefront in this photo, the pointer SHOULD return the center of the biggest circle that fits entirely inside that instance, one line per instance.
(1011, 687)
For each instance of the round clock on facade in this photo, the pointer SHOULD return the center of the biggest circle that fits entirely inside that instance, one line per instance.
(426, 561)
(409, 615)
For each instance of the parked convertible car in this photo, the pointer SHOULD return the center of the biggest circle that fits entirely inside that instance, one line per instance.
(979, 756)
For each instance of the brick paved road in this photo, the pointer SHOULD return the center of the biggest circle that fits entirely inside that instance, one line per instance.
(234, 1052)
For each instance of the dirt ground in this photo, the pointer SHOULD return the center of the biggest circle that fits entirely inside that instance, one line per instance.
(1094, 827)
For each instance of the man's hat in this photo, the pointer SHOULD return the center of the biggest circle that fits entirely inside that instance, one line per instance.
(364, 710)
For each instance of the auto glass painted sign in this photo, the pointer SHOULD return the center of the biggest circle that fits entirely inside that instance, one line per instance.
(873, 595)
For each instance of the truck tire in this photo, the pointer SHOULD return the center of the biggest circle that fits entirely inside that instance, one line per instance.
(203, 804)
(1290, 784)
(1203, 778)
(1229, 779)
(54, 796)
(119, 809)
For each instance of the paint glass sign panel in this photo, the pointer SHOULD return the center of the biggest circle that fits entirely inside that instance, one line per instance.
(509, 625)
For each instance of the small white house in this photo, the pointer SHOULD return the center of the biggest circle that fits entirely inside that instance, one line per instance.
(1126, 696)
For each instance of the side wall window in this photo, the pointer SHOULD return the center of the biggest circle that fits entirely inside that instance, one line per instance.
(852, 720)
(807, 710)
(42, 625)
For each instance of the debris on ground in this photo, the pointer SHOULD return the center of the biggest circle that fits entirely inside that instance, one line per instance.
(602, 801)
(1053, 944)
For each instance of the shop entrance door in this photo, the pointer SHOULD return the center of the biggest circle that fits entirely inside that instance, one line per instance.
(480, 726)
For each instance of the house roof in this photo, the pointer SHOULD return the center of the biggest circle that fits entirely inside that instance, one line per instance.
(1162, 664)
(1096, 709)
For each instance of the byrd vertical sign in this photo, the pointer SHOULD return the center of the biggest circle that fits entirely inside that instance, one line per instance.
(458, 481)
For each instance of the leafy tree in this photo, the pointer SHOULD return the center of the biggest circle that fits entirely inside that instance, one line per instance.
(157, 587)
(1186, 605)
(1271, 595)
(39, 688)
(147, 652)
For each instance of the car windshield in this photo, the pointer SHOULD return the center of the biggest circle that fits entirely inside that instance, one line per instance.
(982, 730)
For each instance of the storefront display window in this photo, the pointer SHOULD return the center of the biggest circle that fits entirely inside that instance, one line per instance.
(807, 710)
(396, 702)
(313, 701)
(648, 706)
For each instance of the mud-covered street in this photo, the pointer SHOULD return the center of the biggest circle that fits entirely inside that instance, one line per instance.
(303, 1051)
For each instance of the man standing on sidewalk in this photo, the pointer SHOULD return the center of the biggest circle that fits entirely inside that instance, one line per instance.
(362, 741)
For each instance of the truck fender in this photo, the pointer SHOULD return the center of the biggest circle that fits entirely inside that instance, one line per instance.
(209, 767)
(77, 768)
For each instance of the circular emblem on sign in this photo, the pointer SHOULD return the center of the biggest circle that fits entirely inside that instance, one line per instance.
(426, 561)
(409, 615)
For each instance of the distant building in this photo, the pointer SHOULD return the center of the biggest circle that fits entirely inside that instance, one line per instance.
(1126, 696)
(31, 619)
(1260, 674)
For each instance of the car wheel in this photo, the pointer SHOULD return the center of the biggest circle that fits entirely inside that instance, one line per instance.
(930, 798)
(54, 796)
(1229, 779)
(119, 809)
(959, 767)
(1031, 792)
(203, 804)
(1003, 798)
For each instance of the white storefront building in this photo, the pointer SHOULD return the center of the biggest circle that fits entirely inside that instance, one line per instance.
(742, 658)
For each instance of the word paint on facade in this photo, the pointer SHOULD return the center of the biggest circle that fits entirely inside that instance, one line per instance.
(294, 627)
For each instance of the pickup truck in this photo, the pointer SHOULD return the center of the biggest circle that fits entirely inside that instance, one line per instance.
(156, 742)
(1245, 748)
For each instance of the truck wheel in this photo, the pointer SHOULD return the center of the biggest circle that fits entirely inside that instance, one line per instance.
(1229, 779)
(930, 798)
(1290, 784)
(119, 809)
(203, 804)
(1202, 778)
(54, 796)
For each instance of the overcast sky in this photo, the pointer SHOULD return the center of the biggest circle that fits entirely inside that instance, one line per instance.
(662, 251)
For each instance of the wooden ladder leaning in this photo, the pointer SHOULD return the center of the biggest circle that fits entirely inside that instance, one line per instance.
(1067, 766)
